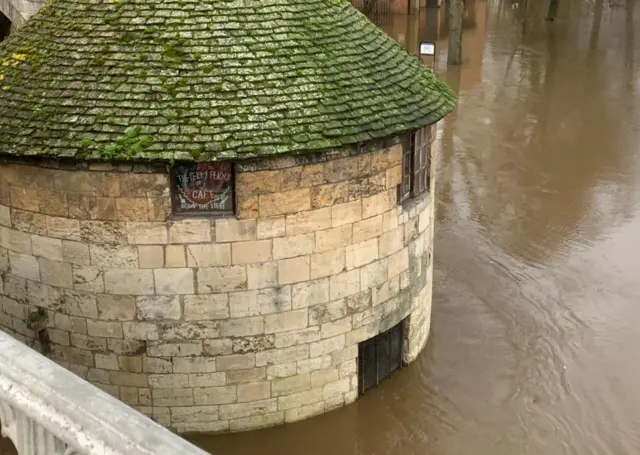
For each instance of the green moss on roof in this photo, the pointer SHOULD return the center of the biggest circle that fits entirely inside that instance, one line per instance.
(206, 79)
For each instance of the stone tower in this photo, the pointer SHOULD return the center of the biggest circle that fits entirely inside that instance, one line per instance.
(209, 208)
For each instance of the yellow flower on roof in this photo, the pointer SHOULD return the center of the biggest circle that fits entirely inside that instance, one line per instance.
(19, 57)
(4, 62)
(1, 77)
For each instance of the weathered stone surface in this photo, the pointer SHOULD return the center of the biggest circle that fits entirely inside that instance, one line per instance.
(391, 242)
(175, 256)
(140, 331)
(257, 422)
(172, 397)
(104, 329)
(328, 263)
(146, 233)
(284, 355)
(194, 414)
(246, 376)
(150, 257)
(327, 312)
(327, 346)
(47, 248)
(284, 203)
(254, 391)
(128, 282)
(348, 213)
(206, 307)
(55, 273)
(152, 308)
(297, 337)
(296, 400)
(291, 321)
(157, 365)
(254, 408)
(374, 274)
(190, 231)
(242, 326)
(118, 308)
(75, 252)
(304, 412)
(103, 232)
(361, 253)
(215, 395)
(87, 278)
(194, 365)
(293, 270)
(291, 384)
(174, 281)
(293, 246)
(173, 349)
(188, 330)
(253, 344)
(332, 239)
(286, 321)
(28, 222)
(268, 228)
(263, 275)
(207, 379)
(229, 230)
(315, 363)
(208, 255)
(26, 266)
(251, 252)
(344, 284)
(221, 279)
(308, 221)
(63, 228)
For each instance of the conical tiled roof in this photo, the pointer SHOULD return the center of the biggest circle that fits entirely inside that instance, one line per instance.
(206, 79)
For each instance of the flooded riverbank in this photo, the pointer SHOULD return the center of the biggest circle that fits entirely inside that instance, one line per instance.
(535, 299)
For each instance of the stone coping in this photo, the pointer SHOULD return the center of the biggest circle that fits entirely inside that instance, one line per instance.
(257, 164)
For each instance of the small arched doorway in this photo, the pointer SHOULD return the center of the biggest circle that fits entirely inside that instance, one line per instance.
(5, 26)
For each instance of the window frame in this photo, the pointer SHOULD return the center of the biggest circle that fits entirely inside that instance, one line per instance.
(416, 164)
(176, 212)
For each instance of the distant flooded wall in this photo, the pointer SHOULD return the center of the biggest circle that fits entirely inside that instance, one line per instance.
(216, 324)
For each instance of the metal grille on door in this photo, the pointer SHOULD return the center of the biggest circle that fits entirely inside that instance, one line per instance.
(379, 356)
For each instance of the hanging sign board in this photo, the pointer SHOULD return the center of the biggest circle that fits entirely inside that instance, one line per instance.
(428, 48)
(202, 188)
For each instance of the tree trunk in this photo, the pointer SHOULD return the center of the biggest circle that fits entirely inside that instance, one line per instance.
(553, 10)
(456, 9)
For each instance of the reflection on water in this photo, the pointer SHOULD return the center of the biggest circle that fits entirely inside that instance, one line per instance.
(537, 252)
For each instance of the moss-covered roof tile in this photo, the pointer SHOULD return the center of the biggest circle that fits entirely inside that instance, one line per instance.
(221, 79)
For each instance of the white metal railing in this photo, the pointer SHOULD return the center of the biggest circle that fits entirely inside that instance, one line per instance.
(47, 410)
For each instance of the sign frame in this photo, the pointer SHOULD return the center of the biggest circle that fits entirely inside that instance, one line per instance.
(178, 212)
(428, 48)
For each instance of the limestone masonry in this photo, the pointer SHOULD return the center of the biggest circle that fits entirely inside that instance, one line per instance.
(208, 208)
(210, 325)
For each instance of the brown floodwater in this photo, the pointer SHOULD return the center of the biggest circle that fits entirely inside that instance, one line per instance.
(536, 315)
(536, 312)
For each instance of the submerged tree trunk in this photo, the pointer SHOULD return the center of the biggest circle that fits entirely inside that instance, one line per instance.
(456, 8)
(553, 10)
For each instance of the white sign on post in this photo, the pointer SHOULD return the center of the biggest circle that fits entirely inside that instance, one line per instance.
(428, 48)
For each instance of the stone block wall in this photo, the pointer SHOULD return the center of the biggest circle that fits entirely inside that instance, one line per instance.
(215, 324)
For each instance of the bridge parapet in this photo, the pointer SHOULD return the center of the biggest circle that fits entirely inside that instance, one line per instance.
(47, 410)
